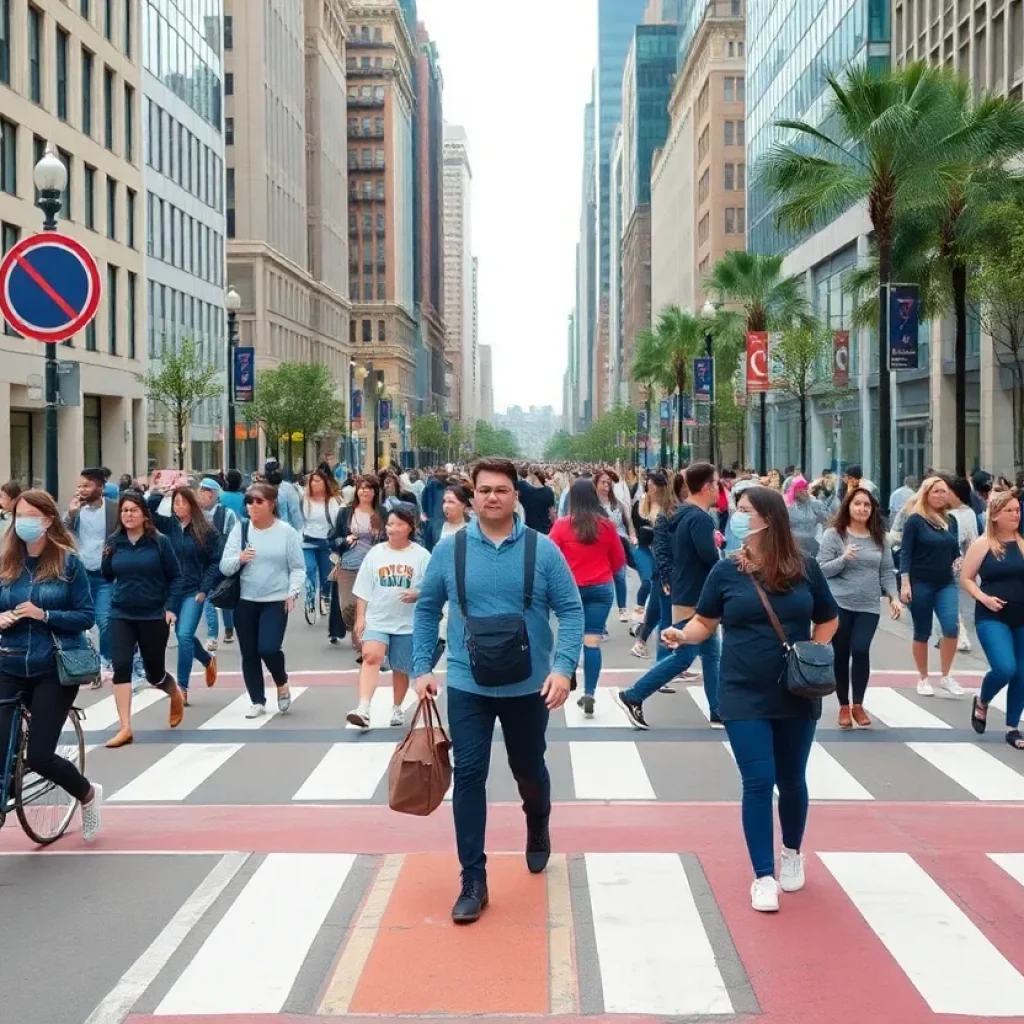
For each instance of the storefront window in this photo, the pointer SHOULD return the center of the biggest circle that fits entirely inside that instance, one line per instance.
(23, 453)
(92, 430)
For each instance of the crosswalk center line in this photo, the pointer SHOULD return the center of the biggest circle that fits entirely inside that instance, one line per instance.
(103, 714)
(958, 970)
(609, 770)
(272, 923)
(177, 774)
(233, 716)
(973, 769)
(891, 708)
(654, 953)
(607, 714)
(348, 771)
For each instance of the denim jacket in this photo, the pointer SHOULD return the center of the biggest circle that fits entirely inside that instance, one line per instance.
(26, 649)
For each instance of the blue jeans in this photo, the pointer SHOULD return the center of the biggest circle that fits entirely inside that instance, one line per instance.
(102, 591)
(772, 752)
(597, 603)
(524, 722)
(317, 554)
(619, 580)
(658, 616)
(644, 559)
(1004, 649)
(212, 625)
(939, 599)
(189, 647)
(666, 669)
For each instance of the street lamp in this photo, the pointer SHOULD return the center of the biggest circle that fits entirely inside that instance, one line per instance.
(51, 178)
(708, 312)
(376, 421)
(361, 373)
(233, 303)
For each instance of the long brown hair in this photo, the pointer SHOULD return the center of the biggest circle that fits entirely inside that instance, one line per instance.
(330, 488)
(875, 525)
(777, 564)
(60, 542)
(376, 520)
(657, 482)
(197, 526)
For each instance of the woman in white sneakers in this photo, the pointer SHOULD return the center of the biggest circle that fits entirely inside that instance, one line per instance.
(386, 589)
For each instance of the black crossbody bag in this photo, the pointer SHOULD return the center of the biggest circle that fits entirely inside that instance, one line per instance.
(228, 592)
(498, 645)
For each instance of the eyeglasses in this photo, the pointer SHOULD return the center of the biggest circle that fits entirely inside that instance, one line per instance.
(500, 492)
(252, 499)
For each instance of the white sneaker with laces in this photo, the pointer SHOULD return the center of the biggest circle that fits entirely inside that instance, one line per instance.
(963, 643)
(211, 646)
(764, 894)
(360, 718)
(949, 687)
(623, 616)
(791, 870)
(92, 814)
(397, 717)
(639, 650)
(924, 688)
(284, 701)
(256, 711)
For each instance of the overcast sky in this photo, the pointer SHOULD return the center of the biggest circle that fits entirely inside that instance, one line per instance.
(517, 77)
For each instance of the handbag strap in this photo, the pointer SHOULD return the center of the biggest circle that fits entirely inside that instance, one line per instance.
(529, 569)
(773, 618)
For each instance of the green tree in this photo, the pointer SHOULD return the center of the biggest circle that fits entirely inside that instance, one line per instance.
(800, 354)
(457, 437)
(492, 441)
(181, 382)
(428, 435)
(559, 447)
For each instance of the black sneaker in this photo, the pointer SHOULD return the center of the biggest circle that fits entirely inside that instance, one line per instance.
(538, 846)
(229, 636)
(587, 703)
(716, 721)
(634, 710)
(471, 902)
(666, 689)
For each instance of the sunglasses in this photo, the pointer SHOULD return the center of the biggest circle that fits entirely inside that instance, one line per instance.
(251, 499)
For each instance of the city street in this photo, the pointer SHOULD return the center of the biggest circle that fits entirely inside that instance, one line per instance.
(251, 870)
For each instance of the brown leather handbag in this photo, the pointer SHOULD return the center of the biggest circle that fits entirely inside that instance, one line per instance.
(421, 770)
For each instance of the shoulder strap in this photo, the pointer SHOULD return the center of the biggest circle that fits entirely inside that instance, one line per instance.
(460, 570)
(529, 567)
(774, 619)
(219, 515)
(245, 534)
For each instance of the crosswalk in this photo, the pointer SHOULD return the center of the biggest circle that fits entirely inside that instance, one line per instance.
(661, 934)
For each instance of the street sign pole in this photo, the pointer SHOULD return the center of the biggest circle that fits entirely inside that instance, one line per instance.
(50, 378)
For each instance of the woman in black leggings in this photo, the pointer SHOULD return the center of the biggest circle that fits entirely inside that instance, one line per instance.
(147, 583)
(44, 593)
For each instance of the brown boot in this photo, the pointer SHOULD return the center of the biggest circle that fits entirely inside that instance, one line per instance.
(122, 739)
(860, 716)
(211, 672)
(844, 717)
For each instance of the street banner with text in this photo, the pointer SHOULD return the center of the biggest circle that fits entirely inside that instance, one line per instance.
(904, 316)
(840, 358)
(245, 374)
(703, 378)
(757, 361)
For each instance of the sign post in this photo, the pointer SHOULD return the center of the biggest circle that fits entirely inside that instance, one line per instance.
(49, 291)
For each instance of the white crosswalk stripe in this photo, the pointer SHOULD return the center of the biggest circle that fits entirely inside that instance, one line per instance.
(233, 716)
(827, 779)
(609, 770)
(102, 715)
(348, 771)
(974, 769)
(178, 774)
(892, 708)
(607, 714)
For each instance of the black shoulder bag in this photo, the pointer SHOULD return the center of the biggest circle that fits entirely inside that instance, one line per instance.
(498, 645)
(810, 669)
(228, 592)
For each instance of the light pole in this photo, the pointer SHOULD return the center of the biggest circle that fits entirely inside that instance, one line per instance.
(709, 311)
(51, 178)
(233, 303)
(351, 389)
(376, 421)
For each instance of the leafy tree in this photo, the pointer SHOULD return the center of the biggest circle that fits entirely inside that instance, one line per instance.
(800, 354)
(559, 447)
(492, 441)
(428, 435)
(181, 382)
(457, 437)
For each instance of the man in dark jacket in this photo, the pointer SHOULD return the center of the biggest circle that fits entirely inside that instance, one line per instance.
(695, 552)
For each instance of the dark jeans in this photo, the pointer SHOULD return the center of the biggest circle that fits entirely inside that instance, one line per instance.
(658, 616)
(597, 603)
(260, 627)
(852, 643)
(644, 559)
(524, 721)
(772, 752)
(1004, 649)
(150, 635)
(939, 599)
(49, 703)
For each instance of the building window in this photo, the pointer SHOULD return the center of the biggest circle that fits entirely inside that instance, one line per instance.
(741, 133)
(38, 149)
(112, 309)
(130, 216)
(83, 8)
(90, 197)
(229, 84)
(735, 89)
(9, 235)
(87, 64)
(128, 28)
(730, 177)
(382, 330)
(111, 208)
(129, 124)
(229, 32)
(108, 109)
(65, 196)
(108, 18)
(229, 131)
(741, 177)
(132, 284)
(382, 292)
(730, 133)
(735, 220)
(8, 157)
(62, 74)
(704, 186)
(704, 229)
(5, 41)
(35, 55)
(367, 331)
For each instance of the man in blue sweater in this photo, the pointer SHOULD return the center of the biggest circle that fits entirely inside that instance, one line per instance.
(495, 559)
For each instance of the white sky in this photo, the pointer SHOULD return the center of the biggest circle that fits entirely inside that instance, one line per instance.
(517, 77)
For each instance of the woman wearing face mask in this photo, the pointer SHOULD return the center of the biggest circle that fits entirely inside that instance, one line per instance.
(8, 498)
(455, 505)
(856, 559)
(770, 730)
(44, 596)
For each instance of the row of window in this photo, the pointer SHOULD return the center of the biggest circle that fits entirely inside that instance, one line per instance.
(173, 315)
(175, 152)
(366, 126)
(183, 241)
(735, 220)
(735, 133)
(367, 290)
(735, 89)
(368, 159)
(367, 331)
(366, 92)
(735, 177)
(369, 190)
(368, 220)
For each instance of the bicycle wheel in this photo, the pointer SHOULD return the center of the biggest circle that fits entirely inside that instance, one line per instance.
(43, 808)
(310, 607)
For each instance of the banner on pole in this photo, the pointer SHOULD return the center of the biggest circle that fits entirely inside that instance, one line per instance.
(665, 411)
(757, 361)
(904, 317)
(840, 358)
(245, 374)
(703, 378)
(384, 407)
(357, 410)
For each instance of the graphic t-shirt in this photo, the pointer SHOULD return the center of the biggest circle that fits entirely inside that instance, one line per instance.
(384, 576)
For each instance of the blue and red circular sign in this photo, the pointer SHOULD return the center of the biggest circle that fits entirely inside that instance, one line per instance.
(49, 287)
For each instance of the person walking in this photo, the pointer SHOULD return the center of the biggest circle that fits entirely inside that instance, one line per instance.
(141, 564)
(807, 515)
(45, 600)
(222, 519)
(770, 730)
(856, 559)
(288, 499)
(604, 483)
(431, 508)
(657, 507)
(8, 498)
(320, 508)
(502, 578)
(273, 573)
(592, 546)
(993, 574)
(233, 497)
(386, 589)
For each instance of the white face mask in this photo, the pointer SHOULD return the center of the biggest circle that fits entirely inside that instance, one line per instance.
(741, 525)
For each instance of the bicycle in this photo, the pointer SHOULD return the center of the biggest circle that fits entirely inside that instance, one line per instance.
(312, 605)
(43, 809)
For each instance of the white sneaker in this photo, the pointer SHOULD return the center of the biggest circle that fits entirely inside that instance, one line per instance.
(92, 814)
(256, 711)
(791, 871)
(360, 718)
(211, 646)
(925, 689)
(397, 717)
(764, 894)
(639, 650)
(623, 616)
(949, 687)
(284, 701)
(963, 643)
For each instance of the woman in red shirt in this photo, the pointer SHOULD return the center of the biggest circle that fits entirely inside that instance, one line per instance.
(590, 543)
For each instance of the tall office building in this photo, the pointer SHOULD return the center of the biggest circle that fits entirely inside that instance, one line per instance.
(586, 271)
(570, 380)
(183, 177)
(284, 71)
(646, 87)
(611, 373)
(458, 273)
(70, 79)
(475, 303)
(486, 384)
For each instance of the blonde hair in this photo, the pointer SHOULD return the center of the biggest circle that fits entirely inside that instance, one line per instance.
(921, 506)
(996, 503)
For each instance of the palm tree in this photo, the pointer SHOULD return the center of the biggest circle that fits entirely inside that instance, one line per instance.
(885, 140)
(767, 301)
(664, 354)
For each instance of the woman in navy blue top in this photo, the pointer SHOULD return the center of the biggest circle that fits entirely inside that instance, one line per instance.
(769, 729)
(929, 559)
